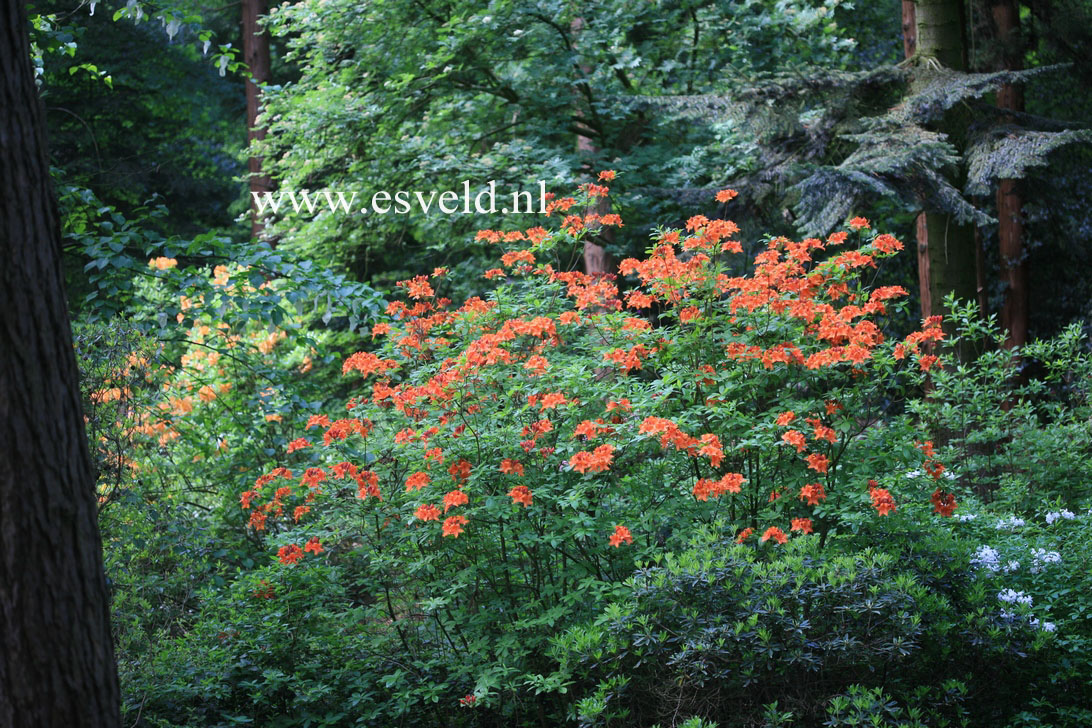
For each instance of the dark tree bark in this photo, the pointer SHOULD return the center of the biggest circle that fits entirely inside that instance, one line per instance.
(257, 58)
(56, 656)
(1010, 230)
(596, 260)
(948, 246)
(921, 230)
(909, 29)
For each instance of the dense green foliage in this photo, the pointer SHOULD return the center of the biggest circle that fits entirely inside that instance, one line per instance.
(734, 482)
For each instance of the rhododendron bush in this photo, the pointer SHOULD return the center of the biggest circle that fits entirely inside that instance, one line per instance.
(507, 459)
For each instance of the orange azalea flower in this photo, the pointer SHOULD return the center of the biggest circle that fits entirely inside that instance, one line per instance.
(775, 533)
(621, 535)
(290, 554)
(711, 448)
(509, 466)
(886, 243)
(744, 535)
(607, 175)
(802, 524)
(623, 404)
(314, 546)
(417, 481)
(726, 195)
(257, 521)
(822, 432)
(812, 493)
(551, 400)
(460, 470)
(859, 223)
(796, 439)
(300, 512)
(881, 500)
(818, 462)
(380, 329)
(162, 263)
(427, 512)
(928, 361)
(943, 503)
(536, 364)
(317, 420)
(453, 526)
(597, 460)
(454, 498)
(590, 430)
(786, 418)
(521, 494)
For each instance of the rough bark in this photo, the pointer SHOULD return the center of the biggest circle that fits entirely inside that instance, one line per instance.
(596, 259)
(1010, 230)
(257, 58)
(56, 655)
(909, 29)
(921, 231)
(949, 246)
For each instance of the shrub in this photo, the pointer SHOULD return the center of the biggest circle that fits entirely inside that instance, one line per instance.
(513, 457)
(723, 632)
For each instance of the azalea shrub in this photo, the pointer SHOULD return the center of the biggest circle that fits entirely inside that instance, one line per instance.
(725, 633)
(505, 462)
(1015, 424)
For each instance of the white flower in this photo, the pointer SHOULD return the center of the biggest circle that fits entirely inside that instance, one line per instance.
(1041, 557)
(1055, 515)
(1011, 596)
(964, 517)
(1048, 626)
(1012, 566)
(986, 558)
(1010, 524)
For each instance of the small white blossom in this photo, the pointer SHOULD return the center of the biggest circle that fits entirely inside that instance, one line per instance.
(1011, 596)
(1055, 515)
(1012, 566)
(986, 558)
(1049, 626)
(1010, 524)
(1041, 557)
(964, 517)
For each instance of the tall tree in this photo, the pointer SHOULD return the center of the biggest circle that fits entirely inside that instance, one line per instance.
(1010, 231)
(56, 655)
(949, 243)
(257, 57)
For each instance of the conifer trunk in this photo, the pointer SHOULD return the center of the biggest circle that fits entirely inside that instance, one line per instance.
(1010, 230)
(56, 653)
(596, 260)
(921, 232)
(257, 58)
(950, 246)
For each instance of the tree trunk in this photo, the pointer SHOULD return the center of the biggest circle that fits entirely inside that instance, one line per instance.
(909, 29)
(1010, 230)
(56, 654)
(921, 232)
(949, 246)
(596, 259)
(256, 57)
